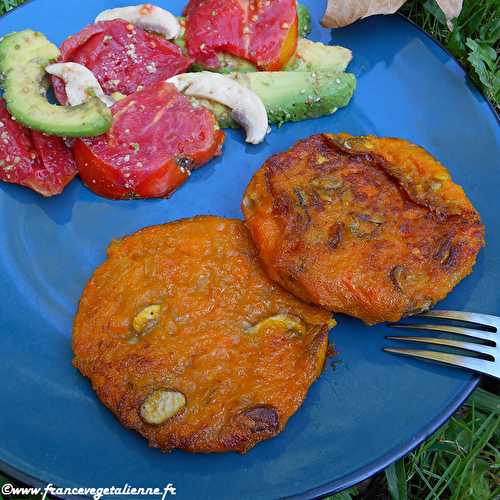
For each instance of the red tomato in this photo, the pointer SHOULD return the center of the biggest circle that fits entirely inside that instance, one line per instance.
(264, 32)
(273, 33)
(122, 57)
(156, 139)
(41, 162)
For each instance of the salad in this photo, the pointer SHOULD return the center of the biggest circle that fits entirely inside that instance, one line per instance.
(143, 95)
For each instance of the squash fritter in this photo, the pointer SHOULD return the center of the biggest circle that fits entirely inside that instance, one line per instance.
(187, 341)
(367, 226)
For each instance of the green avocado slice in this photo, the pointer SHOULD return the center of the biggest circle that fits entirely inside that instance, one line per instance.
(290, 96)
(23, 58)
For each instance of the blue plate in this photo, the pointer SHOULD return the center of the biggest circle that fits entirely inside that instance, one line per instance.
(359, 417)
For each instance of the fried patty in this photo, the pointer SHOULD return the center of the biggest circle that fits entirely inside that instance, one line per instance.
(367, 226)
(186, 340)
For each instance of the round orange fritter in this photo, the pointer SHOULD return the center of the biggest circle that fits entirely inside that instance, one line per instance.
(367, 226)
(187, 341)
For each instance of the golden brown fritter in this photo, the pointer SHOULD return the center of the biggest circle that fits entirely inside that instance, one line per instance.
(371, 227)
(187, 341)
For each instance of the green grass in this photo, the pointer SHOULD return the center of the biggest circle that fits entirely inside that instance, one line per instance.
(6, 5)
(461, 460)
(474, 41)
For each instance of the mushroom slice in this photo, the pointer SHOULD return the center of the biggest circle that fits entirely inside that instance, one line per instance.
(80, 83)
(246, 106)
(147, 16)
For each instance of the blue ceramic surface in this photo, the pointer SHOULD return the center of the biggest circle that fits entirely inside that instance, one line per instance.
(360, 416)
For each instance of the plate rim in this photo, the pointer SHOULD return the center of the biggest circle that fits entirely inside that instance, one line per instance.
(375, 467)
(321, 491)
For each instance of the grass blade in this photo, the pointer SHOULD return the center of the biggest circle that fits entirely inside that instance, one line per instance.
(396, 480)
(484, 433)
(484, 401)
(344, 495)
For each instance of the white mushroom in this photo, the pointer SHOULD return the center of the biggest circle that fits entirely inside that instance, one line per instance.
(80, 83)
(246, 106)
(145, 16)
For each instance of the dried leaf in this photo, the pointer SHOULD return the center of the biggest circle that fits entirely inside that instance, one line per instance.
(451, 9)
(341, 13)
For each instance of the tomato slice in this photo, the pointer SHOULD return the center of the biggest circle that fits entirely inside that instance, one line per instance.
(59, 165)
(41, 162)
(122, 57)
(156, 139)
(215, 26)
(264, 32)
(273, 33)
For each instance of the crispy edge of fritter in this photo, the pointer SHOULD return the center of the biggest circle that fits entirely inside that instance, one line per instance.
(241, 435)
(411, 167)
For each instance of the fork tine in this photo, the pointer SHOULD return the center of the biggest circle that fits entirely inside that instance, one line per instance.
(481, 319)
(469, 346)
(475, 364)
(468, 332)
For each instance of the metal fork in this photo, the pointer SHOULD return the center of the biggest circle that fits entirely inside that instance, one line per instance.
(490, 346)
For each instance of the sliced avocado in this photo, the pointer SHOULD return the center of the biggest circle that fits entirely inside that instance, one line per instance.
(23, 58)
(180, 41)
(315, 56)
(304, 20)
(228, 64)
(295, 96)
(290, 96)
